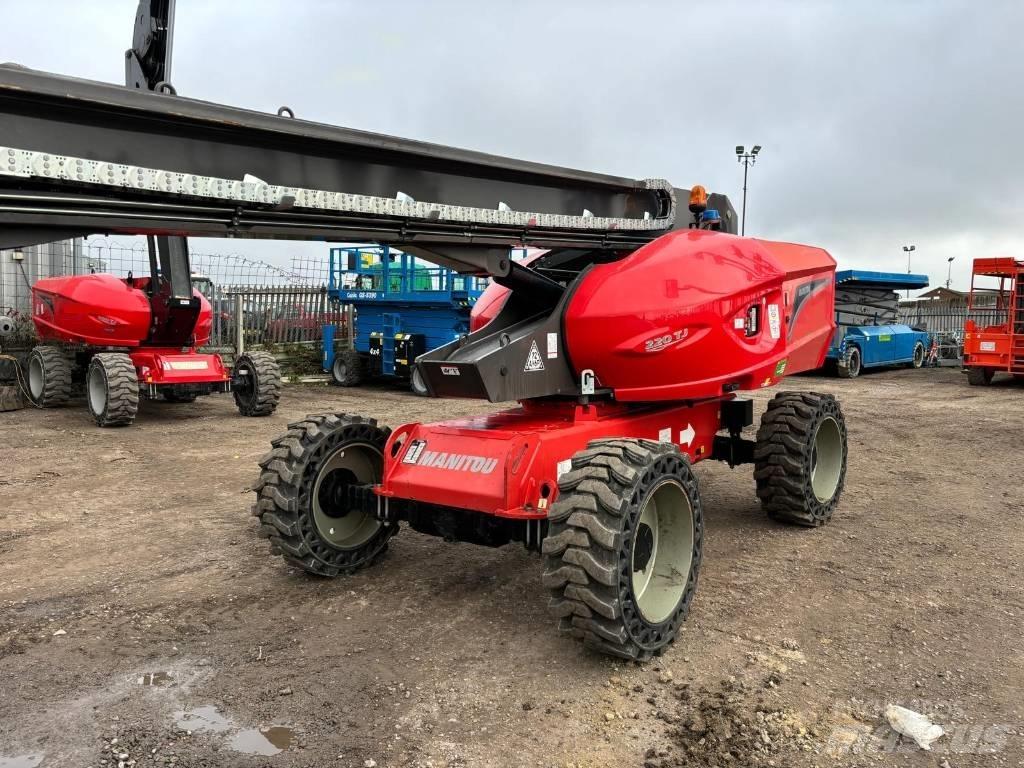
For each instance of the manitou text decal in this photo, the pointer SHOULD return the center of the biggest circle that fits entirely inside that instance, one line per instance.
(456, 462)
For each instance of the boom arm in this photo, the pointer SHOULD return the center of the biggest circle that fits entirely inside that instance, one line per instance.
(147, 63)
(79, 157)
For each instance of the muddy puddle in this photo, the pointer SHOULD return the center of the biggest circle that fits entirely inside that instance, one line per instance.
(267, 740)
(262, 741)
(205, 718)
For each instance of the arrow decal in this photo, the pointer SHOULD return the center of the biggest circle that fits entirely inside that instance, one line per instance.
(686, 435)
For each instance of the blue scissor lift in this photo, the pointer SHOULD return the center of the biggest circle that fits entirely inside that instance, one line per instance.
(403, 306)
(868, 332)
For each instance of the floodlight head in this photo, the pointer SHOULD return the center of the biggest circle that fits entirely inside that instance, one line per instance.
(756, 149)
(739, 149)
(950, 259)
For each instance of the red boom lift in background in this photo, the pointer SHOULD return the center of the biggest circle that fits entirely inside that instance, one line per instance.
(625, 344)
(999, 347)
(139, 336)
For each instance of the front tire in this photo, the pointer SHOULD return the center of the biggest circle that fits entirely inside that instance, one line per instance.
(112, 389)
(417, 384)
(347, 370)
(260, 390)
(980, 377)
(624, 546)
(303, 494)
(800, 458)
(849, 366)
(49, 377)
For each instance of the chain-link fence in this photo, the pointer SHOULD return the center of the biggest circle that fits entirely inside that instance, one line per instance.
(269, 305)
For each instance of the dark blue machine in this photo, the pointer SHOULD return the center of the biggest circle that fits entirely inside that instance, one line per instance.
(402, 307)
(867, 332)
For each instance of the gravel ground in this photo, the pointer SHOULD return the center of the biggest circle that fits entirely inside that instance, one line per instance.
(142, 622)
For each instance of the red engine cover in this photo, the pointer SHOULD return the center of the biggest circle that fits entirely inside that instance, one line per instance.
(100, 310)
(695, 311)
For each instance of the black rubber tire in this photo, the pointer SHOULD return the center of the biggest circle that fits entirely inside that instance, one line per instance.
(980, 377)
(919, 355)
(259, 397)
(284, 502)
(785, 457)
(849, 367)
(416, 383)
(179, 397)
(116, 398)
(54, 376)
(589, 546)
(347, 369)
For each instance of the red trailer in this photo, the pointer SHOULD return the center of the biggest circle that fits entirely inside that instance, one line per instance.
(997, 348)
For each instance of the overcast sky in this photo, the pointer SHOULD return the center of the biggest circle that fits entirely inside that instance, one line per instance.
(883, 123)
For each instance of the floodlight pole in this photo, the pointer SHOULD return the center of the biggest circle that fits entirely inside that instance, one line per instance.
(949, 272)
(907, 249)
(748, 159)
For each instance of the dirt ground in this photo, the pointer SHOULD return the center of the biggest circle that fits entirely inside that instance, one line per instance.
(138, 604)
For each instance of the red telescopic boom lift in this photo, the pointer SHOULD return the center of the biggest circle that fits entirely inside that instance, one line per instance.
(140, 335)
(625, 344)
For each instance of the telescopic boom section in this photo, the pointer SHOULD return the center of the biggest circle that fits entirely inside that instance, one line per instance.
(86, 157)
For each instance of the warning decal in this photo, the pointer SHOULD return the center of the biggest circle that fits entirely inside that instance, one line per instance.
(534, 362)
(774, 326)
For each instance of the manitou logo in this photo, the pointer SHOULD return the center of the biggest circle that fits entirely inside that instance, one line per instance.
(457, 462)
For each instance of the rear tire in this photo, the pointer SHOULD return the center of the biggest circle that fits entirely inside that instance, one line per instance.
(112, 389)
(800, 458)
(980, 377)
(849, 365)
(49, 377)
(919, 353)
(260, 391)
(347, 370)
(302, 490)
(623, 550)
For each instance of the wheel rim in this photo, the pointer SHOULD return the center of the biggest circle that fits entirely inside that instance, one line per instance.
(662, 551)
(826, 459)
(336, 524)
(340, 370)
(918, 356)
(35, 378)
(855, 362)
(97, 387)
